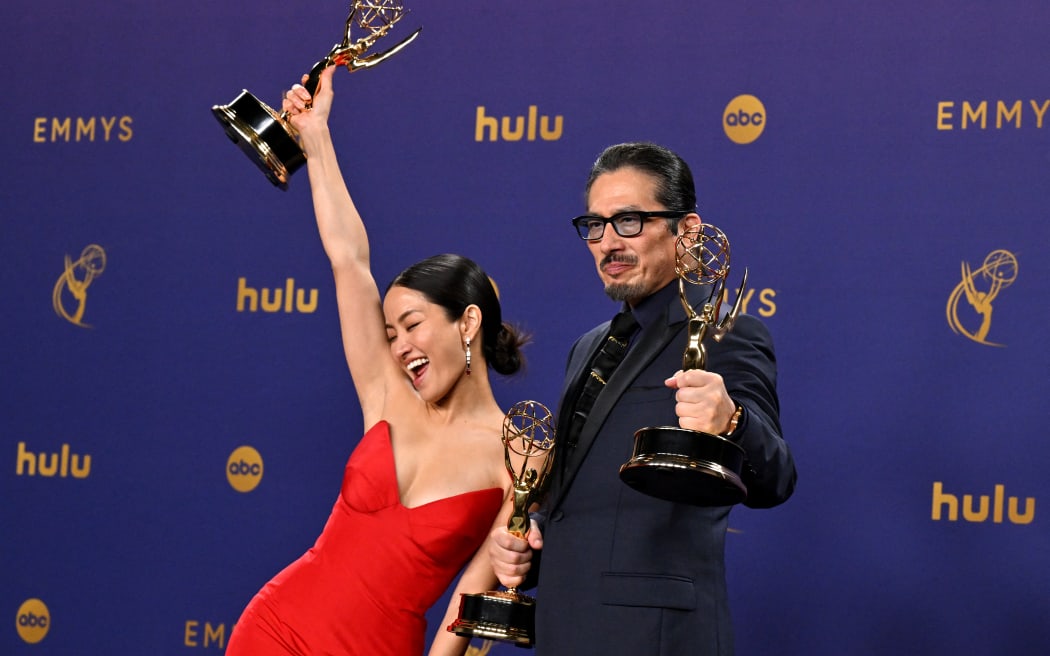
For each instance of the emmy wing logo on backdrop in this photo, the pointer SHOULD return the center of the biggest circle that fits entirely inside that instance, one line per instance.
(980, 288)
(265, 136)
(74, 281)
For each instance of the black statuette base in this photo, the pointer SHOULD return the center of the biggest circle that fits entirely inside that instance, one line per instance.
(685, 466)
(506, 616)
(261, 134)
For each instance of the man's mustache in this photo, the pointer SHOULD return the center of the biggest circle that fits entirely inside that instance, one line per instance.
(618, 257)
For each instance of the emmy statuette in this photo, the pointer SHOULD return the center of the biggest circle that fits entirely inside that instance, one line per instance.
(673, 463)
(265, 135)
(508, 615)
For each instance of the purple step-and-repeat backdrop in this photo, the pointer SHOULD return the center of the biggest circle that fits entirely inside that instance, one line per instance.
(177, 411)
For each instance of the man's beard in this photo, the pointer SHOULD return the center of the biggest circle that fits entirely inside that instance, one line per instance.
(624, 291)
(621, 291)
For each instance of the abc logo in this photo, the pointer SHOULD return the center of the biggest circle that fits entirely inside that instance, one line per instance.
(744, 119)
(244, 469)
(33, 621)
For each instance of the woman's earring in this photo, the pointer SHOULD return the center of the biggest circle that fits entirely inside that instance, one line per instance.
(468, 355)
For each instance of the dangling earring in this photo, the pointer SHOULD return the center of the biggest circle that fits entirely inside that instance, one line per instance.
(468, 355)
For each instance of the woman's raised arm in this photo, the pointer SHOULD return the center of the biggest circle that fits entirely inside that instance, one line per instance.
(346, 244)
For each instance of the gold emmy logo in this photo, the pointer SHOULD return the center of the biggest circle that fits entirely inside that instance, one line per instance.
(1007, 114)
(213, 635)
(766, 301)
(75, 280)
(485, 648)
(33, 621)
(80, 128)
(980, 288)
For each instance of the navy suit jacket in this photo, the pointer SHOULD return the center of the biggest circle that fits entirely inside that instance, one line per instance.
(625, 573)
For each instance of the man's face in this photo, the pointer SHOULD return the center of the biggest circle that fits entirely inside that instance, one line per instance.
(632, 268)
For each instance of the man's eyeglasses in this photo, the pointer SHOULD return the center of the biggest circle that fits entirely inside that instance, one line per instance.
(626, 224)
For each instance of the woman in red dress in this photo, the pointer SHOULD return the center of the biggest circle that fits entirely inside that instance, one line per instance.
(428, 480)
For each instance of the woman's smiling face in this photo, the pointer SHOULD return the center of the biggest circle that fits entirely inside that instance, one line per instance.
(424, 342)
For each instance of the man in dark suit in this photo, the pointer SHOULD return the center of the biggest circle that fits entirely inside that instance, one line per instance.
(623, 572)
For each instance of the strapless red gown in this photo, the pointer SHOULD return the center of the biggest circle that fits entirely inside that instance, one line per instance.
(364, 586)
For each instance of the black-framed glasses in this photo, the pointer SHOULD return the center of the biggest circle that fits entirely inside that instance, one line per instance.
(626, 224)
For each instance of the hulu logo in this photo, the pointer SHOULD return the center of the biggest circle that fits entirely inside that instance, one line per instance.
(61, 464)
(524, 127)
(275, 300)
(996, 504)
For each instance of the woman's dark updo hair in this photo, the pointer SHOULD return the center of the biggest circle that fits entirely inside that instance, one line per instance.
(454, 282)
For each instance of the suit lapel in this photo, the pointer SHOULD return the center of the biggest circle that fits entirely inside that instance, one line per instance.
(582, 354)
(650, 343)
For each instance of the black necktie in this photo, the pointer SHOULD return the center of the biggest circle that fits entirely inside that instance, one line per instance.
(605, 361)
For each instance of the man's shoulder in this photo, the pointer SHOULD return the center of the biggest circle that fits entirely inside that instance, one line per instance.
(751, 324)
